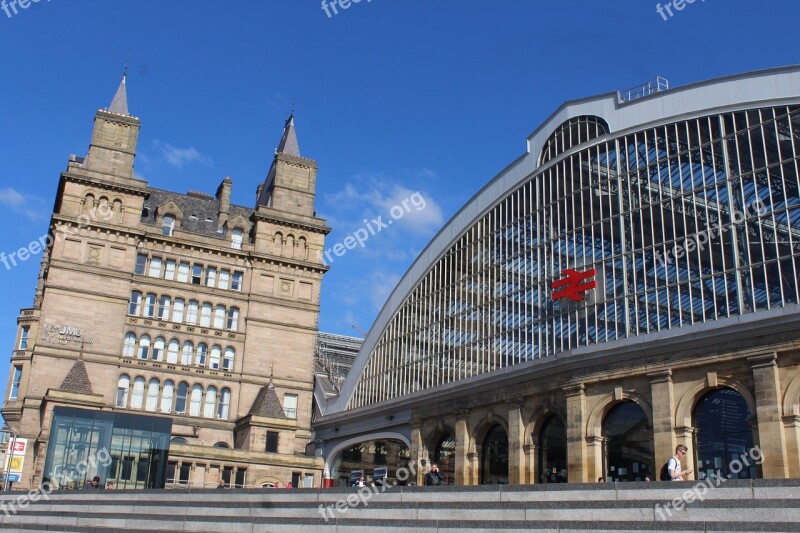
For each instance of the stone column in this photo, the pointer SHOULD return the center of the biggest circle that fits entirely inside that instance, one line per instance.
(594, 459)
(473, 459)
(530, 460)
(791, 425)
(463, 466)
(419, 455)
(516, 443)
(576, 428)
(663, 402)
(771, 438)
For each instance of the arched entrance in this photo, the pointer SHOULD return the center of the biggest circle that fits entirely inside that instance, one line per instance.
(494, 456)
(445, 456)
(553, 451)
(723, 435)
(628, 443)
(378, 461)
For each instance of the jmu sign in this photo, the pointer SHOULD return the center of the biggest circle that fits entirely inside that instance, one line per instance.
(573, 288)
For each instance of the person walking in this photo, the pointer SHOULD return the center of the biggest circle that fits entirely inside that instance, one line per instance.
(674, 464)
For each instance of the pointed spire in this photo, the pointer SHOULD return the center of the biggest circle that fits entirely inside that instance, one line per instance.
(119, 104)
(288, 144)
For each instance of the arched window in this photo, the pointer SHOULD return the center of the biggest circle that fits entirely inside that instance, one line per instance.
(123, 385)
(158, 349)
(178, 440)
(219, 317)
(237, 236)
(222, 445)
(172, 351)
(202, 351)
(233, 319)
(180, 402)
(166, 396)
(205, 315)
(129, 347)
(164, 304)
(177, 310)
(144, 347)
(494, 456)
(722, 419)
(152, 395)
(150, 305)
(227, 362)
(628, 443)
(186, 355)
(211, 402)
(135, 305)
(444, 455)
(191, 314)
(213, 361)
(137, 398)
(196, 400)
(552, 446)
(168, 225)
(224, 404)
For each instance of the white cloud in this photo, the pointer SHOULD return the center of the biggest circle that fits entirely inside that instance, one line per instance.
(177, 157)
(31, 207)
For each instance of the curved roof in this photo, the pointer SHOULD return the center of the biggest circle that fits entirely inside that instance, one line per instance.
(721, 94)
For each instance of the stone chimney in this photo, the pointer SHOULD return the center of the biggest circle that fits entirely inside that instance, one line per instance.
(224, 199)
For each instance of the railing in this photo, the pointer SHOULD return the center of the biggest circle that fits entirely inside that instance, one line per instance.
(653, 86)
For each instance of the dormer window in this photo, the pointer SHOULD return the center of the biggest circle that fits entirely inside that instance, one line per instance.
(237, 236)
(168, 225)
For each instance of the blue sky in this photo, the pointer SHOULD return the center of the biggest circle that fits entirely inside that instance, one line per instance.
(391, 97)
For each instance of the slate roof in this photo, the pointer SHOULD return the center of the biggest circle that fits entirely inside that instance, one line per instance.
(120, 102)
(288, 144)
(267, 403)
(77, 380)
(200, 213)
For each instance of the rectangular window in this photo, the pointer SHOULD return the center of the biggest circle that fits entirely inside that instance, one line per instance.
(184, 475)
(169, 270)
(290, 405)
(272, 441)
(155, 267)
(23, 338)
(141, 264)
(15, 382)
(197, 274)
(224, 278)
(183, 272)
(211, 277)
(296, 479)
(177, 310)
(240, 478)
(237, 281)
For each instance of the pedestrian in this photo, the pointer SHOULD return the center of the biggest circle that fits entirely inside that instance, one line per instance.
(221, 484)
(434, 477)
(109, 486)
(601, 479)
(93, 484)
(289, 485)
(673, 466)
(277, 485)
(359, 483)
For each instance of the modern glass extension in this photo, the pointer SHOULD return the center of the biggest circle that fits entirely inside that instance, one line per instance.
(684, 223)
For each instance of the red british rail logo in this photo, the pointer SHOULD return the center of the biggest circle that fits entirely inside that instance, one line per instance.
(573, 288)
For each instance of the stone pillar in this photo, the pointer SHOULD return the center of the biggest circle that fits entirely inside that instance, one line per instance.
(530, 460)
(594, 459)
(419, 456)
(516, 443)
(473, 459)
(663, 402)
(791, 425)
(463, 465)
(771, 438)
(576, 428)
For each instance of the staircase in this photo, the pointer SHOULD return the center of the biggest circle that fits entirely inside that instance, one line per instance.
(760, 505)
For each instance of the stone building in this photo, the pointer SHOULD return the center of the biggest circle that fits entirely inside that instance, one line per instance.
(630, 283)
(171, 321)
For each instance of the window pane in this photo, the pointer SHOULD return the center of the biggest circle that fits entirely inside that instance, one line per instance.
(183, 272)
(155, 267)
(211, 277)
(237, 281)
(169, 270)
(224, 277)
(141, 264)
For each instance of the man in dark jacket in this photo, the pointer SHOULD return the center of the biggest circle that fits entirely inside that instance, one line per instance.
(434, 477)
